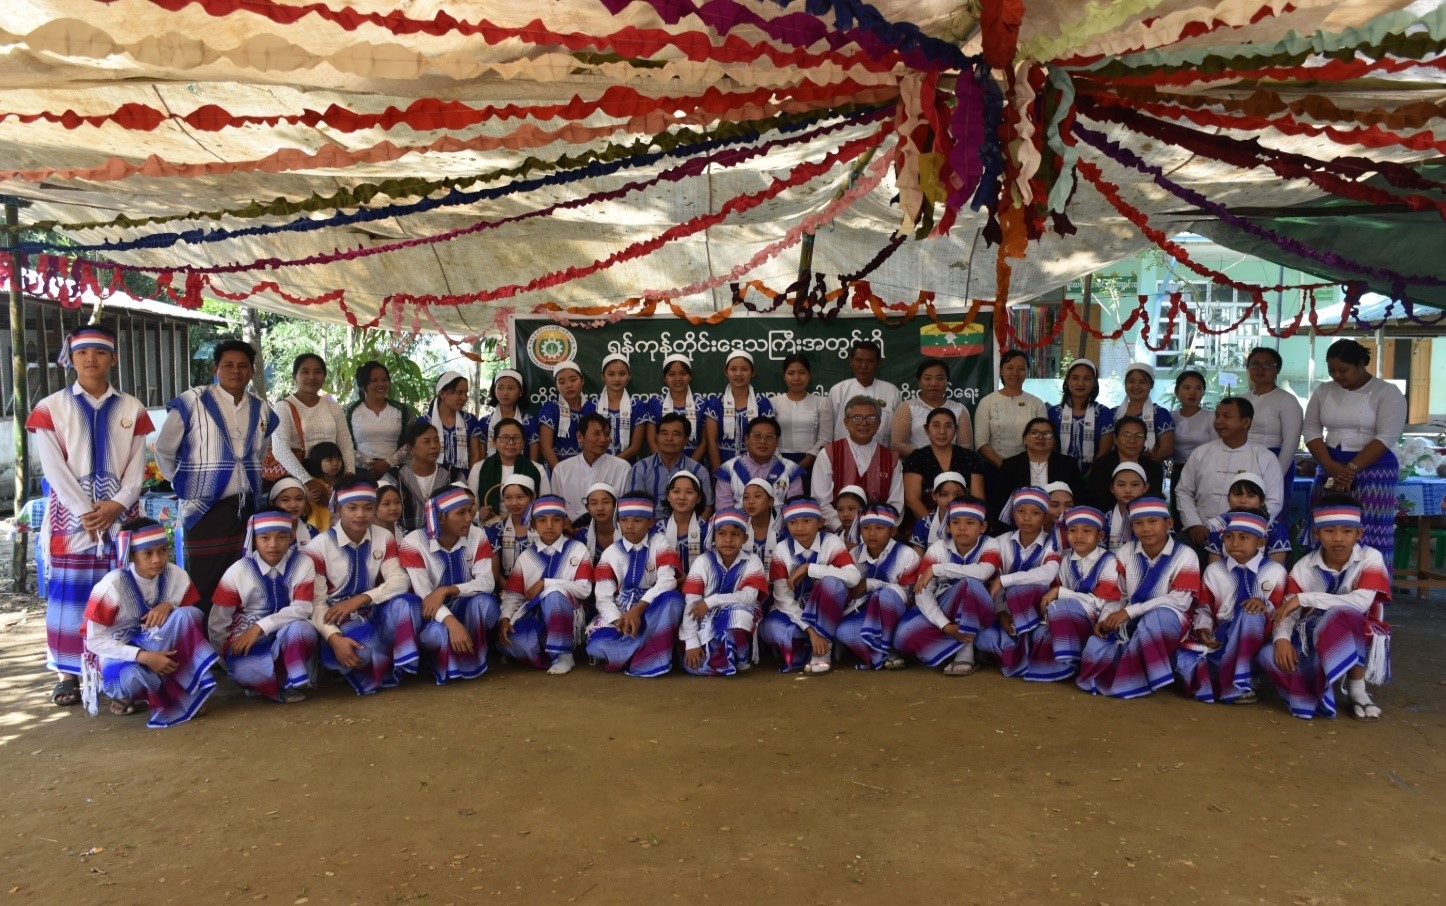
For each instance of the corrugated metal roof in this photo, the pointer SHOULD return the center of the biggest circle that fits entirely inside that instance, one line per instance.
(1374, 308)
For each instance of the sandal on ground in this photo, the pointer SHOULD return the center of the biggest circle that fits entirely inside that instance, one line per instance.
(1366, 710)
(1247, 698)
(66, 693)
(122, 708)
(893, 662)
(959, 668)
(292, 696)
(818, 665)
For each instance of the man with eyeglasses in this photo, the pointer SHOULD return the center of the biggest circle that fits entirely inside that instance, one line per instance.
(858, 459)
(761, 460)
(1279, 415)
(1203, 491)
(864, 359)
(652, 473)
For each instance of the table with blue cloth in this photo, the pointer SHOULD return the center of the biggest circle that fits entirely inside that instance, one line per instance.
(1418, 502)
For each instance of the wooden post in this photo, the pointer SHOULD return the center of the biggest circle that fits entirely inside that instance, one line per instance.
(20, 395)
(251, 333)
(1086, 303)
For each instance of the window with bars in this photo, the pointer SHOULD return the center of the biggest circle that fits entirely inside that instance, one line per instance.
(1220, 307)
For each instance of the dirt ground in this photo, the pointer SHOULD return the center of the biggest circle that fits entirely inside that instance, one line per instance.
(846, 788)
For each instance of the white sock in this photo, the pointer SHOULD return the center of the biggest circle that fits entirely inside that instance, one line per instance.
(561, 664)
(1356, 691)
(966, 654)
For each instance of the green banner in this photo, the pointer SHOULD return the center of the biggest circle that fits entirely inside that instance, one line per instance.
(538, 343)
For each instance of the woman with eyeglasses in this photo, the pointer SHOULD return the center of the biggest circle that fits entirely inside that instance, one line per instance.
(1128, 446)
(508, 458)
(1279, 417)
(1039, 464)
(941, 454)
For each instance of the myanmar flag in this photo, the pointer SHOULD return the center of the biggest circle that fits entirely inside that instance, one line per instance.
(941, 344)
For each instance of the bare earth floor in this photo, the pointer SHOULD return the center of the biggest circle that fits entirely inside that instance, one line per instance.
(848, 788)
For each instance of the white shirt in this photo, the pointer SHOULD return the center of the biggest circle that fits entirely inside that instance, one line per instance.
(376, 433)
(241, 599)
(822, 483)
(1203, 491)
(322, 423)
(1277, 424)
(1193, 430)
(574, 475)
(1350, 419)
(331, 555)
(424, 569)
(999, 421)
(807, 424)
(887, 395)
(912, 419)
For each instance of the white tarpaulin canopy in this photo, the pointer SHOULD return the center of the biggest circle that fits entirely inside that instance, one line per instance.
(202, 106)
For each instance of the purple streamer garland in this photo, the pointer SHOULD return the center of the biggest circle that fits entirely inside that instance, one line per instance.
(1117, 153)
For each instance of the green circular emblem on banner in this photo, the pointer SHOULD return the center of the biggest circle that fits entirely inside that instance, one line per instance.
(550, 345)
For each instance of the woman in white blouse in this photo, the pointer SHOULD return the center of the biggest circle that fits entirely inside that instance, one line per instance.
(320, 420)
(909, 430)
(1000, 417)
(805, 417)
(1278, 415)
(1352, 424)
(1194, 424)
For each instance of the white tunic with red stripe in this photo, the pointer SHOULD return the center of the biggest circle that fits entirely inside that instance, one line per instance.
(1364, 586)
(331, 555)
(572, 576)
(660, 576)
(831, 560)
(241, 599)
(422, 559)
(705, 584)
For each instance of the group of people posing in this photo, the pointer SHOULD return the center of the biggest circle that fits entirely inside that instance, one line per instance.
(782, 526)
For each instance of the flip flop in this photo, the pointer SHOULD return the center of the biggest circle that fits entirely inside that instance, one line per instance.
(66, 693)
(817, 665)
(959, 668)
(125, 708)
(1367, 711)
(894, 662)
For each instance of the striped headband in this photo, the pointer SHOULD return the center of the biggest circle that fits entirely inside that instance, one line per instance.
(1035, 496)
(139, 539)
(355, 494)
(1145, 507)
(269, 521)
(736, 518)
(84, 338)
(443, 504)
(965, 508)
(640, 507)
(549, 505)
(801, 509)
(879, 514)
(1349, 516)
(1245, 522)
(1084, 515)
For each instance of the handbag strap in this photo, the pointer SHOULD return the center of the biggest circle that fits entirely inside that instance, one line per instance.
(296, 422)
